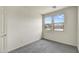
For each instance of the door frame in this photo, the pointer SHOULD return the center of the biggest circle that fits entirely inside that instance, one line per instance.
(4, 31)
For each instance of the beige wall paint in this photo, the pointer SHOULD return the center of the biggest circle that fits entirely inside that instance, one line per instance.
(0, 29)
(23, 28)
(69, 36)
(3, 32)
(78, 29)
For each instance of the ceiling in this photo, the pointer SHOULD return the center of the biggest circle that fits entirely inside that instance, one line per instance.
(43, 9)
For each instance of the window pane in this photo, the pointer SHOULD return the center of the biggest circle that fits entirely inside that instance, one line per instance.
(58, 27)
(59, 22)
(48, 22)
(48, 26)
(59, 18)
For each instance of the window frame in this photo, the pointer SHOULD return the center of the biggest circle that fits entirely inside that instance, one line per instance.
(59, 23)
(52, 16)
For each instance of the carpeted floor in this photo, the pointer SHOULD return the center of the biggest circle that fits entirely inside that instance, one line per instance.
(46, 46)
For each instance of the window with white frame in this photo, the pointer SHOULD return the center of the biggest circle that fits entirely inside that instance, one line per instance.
(55, 23)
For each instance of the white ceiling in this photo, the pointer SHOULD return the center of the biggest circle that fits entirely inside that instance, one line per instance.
(43, 9)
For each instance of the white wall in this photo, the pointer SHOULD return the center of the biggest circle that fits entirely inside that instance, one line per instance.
(69, 36)
(1, 29)
(78, 29)
(23, 28)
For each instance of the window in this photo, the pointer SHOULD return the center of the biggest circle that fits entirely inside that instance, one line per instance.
(48, 22)
(58, 22)
(55, 23)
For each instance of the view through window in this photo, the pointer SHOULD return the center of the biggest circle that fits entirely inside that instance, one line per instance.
(55, 23)
(48, 22)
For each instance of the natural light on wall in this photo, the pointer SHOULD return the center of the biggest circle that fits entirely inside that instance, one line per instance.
(55, 23)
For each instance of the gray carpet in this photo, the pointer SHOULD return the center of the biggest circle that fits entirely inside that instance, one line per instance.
(45, 46)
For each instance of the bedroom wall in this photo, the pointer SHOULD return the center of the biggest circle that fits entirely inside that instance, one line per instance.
(23, 27)
(69, 36)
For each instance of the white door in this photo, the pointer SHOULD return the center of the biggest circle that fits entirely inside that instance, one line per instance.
(2, 30)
